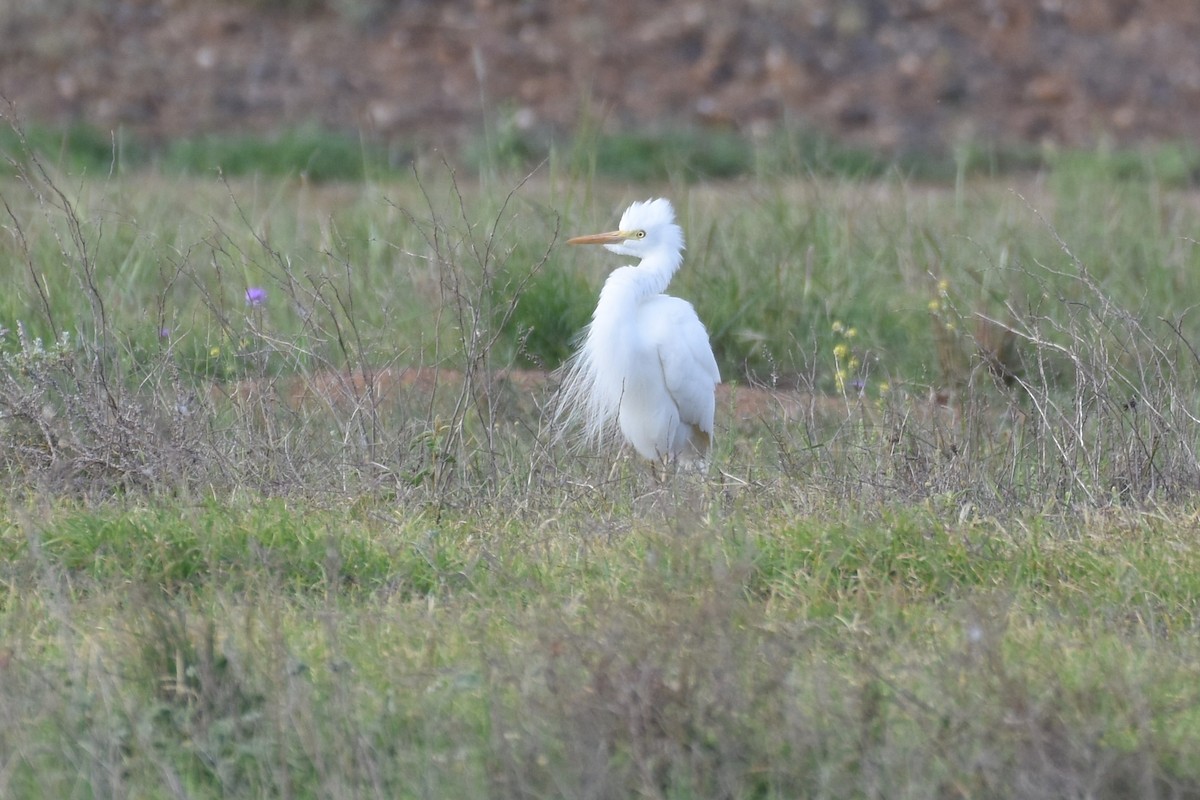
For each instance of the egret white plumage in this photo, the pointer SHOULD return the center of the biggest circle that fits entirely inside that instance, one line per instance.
(645, 362)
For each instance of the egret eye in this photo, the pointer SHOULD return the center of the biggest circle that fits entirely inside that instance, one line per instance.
(639, 235)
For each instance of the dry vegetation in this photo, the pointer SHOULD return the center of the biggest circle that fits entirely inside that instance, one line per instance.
(281, 516)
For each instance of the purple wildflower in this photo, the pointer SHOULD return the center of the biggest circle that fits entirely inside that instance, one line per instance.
(256, 296)
(164, 333)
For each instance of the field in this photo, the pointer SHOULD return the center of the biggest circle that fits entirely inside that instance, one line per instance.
(282, 514)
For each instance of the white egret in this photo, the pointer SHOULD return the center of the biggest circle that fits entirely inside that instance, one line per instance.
(645, 361)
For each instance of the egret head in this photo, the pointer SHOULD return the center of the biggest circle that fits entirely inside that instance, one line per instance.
(646, 227)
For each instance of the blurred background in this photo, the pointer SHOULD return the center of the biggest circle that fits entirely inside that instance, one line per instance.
(898, 79)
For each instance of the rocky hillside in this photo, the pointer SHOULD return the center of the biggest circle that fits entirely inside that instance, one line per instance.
(897, 75)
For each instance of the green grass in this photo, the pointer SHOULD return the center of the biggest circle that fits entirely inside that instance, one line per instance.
(686, 155)
(837, 654)
(241, 556)
(308, 152)
(690, 155)
(317, 155)
(167, 548)
(771, 265)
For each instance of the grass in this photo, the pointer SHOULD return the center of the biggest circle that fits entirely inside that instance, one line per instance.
(689, 155)
(308, 152)
(245, 550)
(831, 655)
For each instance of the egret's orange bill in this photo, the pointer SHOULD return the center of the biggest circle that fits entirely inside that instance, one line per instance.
(612, 237)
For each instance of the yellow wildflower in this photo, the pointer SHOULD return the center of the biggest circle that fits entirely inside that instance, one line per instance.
(935, 306)
(840, 351)
(943, 286)
(884, 387)
(851, 333)
(837, 326)
(839, 378)
(214, 352)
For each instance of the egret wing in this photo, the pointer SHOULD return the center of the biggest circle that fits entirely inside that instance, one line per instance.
(689, 368)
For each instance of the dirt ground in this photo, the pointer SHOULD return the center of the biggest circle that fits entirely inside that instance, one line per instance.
(895, 75)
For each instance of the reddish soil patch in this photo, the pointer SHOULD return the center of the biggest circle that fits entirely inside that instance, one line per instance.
(389, 387)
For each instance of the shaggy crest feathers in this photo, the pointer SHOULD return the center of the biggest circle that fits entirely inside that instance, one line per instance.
(643, 215)
(657, 219)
